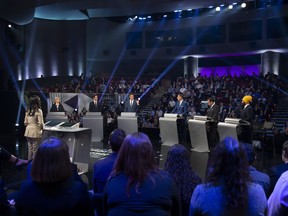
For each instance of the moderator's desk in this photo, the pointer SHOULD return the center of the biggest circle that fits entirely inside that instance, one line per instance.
(78, 141)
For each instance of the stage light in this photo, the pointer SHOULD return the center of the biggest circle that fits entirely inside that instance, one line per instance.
(230, 7)
(9, 26)
(148, 17)
(243, 5)
(165, 15)
(210, 7)
(218, 8)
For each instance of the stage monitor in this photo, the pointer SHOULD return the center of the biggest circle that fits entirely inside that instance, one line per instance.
(128, 114)
(200, 118)
(93, 114)
(232, 120)
(56, 114)
(52, 123)
(170, 115)
(68, 125)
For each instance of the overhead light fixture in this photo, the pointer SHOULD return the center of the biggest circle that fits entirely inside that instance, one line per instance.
(9, 26)
(218, 8)
(165, 15)
(243, 5)
(230, 7)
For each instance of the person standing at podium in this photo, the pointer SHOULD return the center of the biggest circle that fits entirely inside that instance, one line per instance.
(181, 106)
(181, 109)
(245, 126)
(95, 105)
(212, 123)
(131, 105)
(57, 106)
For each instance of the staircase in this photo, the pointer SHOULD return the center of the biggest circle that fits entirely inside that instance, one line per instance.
(156, 99)
(280, 114)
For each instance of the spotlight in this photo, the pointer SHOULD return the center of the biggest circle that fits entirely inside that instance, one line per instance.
(230, 7)
(9, 26)
(243, 5)
(218, 8)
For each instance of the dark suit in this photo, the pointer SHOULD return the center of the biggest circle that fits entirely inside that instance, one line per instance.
(275, 173)
(95, 108)
(181, 109)
(54, 108)
(212, 125)
(245, 127)
(131, 108)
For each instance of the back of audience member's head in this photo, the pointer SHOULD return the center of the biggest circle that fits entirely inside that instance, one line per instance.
(285, 150)
(179, 167)
(136, 159)
(250, 152)
(116, 139)
(52, 162)
(228, 165)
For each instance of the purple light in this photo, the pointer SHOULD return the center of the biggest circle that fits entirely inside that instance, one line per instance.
(234, 71)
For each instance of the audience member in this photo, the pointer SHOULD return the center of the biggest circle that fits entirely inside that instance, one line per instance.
(53, 191)
(228, 189)
(178, 165)
(34, 124)
(103, 168)
(256, 176)
(278, 201)
(57, 106)
(276, 171)
(136, 186)
(5, 208)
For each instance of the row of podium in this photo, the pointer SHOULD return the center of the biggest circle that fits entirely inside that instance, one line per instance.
(79, 139)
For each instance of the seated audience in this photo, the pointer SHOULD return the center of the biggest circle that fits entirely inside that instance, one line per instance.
(136, 186)
(178, 165)
(276, 171)
(53, 191)
(278, 201)
(256, 176)
(227, 189)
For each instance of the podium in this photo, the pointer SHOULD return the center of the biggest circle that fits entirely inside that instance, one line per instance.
(200, 149)
(94, 121)
(228, 128)
(78, 141)
(197, 131)
(168, 129)
(56, 116)
(128, 122)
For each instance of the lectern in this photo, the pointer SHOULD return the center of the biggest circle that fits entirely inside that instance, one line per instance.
(228, 128)
(199, 142)
(78, 141)
(94, 121)
(128, 122)
(168, 129)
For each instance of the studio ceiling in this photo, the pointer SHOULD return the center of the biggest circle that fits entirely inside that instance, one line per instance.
(24, 11)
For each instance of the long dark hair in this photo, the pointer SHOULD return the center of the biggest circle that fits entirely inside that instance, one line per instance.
(228, 166)
(52, 162)
(34, 105)
(179, 167)
(136, 159)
